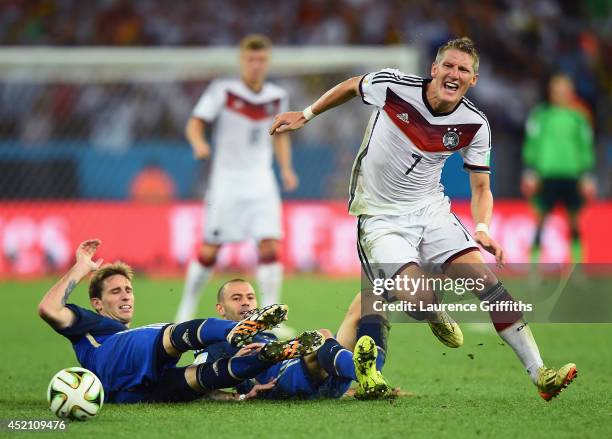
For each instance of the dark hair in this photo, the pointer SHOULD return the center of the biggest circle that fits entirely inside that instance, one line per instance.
(95, 284)
(225, 284)
(464, 44)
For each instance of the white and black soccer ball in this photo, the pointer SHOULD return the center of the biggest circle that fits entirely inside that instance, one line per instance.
(75, 393)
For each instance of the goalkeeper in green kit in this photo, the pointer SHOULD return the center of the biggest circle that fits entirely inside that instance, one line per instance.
(558, 156)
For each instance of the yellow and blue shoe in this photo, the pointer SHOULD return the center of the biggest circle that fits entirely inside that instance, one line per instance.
(551, 382)
(371, 383)
(260, 319)
(281, 350)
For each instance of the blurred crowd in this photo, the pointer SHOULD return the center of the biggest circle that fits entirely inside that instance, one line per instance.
(521, 41)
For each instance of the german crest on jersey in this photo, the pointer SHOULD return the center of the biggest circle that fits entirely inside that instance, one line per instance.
(450, 139)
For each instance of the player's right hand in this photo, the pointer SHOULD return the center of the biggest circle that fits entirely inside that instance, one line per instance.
(201, 151)
(289, 121)
(290, 180)
(85, 252)
(492, 246)
(249, 349)
(259, 388)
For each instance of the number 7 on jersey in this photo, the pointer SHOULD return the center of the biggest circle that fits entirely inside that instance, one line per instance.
(417, 159)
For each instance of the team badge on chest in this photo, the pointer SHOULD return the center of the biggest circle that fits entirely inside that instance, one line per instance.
(450, 139)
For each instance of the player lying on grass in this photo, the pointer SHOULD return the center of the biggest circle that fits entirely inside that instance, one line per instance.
(139, 365)
(330, 371)
(405, 220)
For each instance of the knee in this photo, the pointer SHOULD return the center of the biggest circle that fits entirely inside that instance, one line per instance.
(183, 336)
(326, 333)
(268, 251)
(354, 309)
(207, 256)
(169, 348)
(484, 279)
(480, 275)
(482, 285)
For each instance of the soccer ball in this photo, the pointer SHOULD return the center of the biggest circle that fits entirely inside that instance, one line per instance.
(75, 393)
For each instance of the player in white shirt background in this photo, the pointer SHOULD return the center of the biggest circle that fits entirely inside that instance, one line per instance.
(242, 199)
(404, 218)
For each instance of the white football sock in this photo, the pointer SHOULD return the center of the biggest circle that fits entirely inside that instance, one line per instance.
(520, 338)
(270, 279)
(197, 277)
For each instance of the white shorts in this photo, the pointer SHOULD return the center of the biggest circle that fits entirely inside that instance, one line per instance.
(235, 213)
(431, 235)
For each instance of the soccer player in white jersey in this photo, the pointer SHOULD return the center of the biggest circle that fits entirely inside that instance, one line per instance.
(243, 199)
(404, 217)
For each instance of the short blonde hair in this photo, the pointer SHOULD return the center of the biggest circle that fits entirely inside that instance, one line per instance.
(118, 267)
(255, 42)
(464, 44)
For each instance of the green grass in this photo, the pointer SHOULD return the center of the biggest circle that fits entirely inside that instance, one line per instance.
(479, 390)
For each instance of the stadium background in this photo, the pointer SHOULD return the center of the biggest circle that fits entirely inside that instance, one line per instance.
(73, 141)
(79, 156)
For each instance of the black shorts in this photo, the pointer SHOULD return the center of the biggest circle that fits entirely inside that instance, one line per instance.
(559, 190)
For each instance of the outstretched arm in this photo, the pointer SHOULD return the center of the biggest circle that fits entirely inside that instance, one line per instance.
(52, 307)
(482, 210)
(293, 120)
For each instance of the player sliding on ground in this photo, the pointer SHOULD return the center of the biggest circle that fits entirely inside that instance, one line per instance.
(405, 219)
(330, 371)
(139, 365)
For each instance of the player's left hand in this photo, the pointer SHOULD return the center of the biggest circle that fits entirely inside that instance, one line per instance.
(249, 349)
(257, 389)
(492, 246)
(290, 180)
(289, 121)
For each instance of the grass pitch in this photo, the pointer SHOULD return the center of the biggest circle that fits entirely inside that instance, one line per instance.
(479, 390)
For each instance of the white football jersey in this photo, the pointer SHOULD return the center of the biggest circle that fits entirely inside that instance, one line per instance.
(243, 147)
(399, 164)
